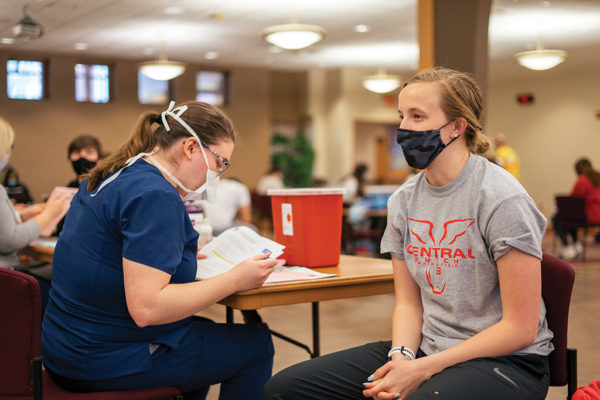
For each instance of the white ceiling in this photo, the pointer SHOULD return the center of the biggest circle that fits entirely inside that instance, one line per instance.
(133, 29)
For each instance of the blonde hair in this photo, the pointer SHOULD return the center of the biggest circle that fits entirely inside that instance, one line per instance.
(210, 124)
(460, 97)
(7, 137)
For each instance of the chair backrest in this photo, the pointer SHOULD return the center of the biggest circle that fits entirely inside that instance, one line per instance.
(262, 204)
(557, 285)
(20, 327)
(571, 211)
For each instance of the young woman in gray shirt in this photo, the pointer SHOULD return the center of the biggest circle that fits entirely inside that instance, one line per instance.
(465, 240)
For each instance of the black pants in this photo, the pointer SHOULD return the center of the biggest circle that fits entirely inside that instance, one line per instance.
(340, 376)
(563, 233)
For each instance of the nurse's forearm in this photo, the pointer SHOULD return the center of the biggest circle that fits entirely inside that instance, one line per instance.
(179, 301)
(152, 300)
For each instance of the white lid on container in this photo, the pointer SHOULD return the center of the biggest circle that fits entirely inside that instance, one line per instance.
(305, 191)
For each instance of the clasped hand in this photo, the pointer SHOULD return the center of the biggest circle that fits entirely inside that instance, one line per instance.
(396, 379)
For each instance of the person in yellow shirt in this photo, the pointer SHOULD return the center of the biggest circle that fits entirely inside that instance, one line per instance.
(506, 156)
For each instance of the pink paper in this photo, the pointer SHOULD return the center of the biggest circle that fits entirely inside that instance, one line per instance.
(69, 193)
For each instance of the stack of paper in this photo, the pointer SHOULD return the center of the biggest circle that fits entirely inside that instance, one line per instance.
(241, 243)
(231, 247)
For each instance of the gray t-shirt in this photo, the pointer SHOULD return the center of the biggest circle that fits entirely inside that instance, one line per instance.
(13, 236)
(450, 238)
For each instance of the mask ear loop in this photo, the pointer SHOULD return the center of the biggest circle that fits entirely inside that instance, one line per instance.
(128, 163)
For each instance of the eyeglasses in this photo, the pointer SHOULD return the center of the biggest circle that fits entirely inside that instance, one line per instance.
(226, 164)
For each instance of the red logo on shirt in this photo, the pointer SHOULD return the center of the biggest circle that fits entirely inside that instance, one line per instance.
(436, 256)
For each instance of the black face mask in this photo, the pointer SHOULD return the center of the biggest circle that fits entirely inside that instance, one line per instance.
(82, 166)
(420, 148)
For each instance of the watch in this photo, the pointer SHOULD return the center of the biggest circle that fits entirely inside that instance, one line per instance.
(405, 351)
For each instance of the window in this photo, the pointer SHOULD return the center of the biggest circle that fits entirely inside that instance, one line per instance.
(92, 83)
(25, 79)
(151, 91)
(211, 87)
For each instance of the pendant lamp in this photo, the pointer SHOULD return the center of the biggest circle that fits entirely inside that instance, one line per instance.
(381, 82)
(540, 59)
(162, 69)
(293, 36)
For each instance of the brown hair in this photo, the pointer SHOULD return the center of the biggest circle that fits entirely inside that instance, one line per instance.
(210, 124)
(583, 166)
(83, 141)
(460, 98)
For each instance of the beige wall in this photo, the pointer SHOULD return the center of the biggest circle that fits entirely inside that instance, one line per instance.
(44, 128)
(336, 101)
(551, 134)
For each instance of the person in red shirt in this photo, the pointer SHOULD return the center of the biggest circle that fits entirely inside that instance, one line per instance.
(587, 186)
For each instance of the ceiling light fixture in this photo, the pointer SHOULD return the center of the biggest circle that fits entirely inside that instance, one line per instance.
(293, 36)
(27, 28)
(381, 82)
(540, 59)
(162, 69)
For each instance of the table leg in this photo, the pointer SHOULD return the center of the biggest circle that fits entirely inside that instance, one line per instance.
(229, 315)
(316, 335)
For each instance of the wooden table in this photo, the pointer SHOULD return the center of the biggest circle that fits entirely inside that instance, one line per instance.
(41, 249)
(355, 277)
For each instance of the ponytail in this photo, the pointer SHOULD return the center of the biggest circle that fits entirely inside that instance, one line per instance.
(207, 121)
(477, 141)
(142, 140)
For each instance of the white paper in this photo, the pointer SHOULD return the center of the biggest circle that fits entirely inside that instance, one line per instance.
(231, 247)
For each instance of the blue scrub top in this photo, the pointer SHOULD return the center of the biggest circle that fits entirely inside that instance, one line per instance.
(87, 332)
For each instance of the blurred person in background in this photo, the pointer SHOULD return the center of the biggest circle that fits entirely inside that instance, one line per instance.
(506, 156)
(15, 232)
(16, 190)
(232, 206)
(587, 186)
(84, 152)
(355, 183)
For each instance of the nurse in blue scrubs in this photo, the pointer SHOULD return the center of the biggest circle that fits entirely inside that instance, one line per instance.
(121, 308)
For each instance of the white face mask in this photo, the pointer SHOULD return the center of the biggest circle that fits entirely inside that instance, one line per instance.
(4, 162)
(207, 191)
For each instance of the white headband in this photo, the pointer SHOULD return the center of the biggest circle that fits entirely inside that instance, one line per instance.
(176, 113)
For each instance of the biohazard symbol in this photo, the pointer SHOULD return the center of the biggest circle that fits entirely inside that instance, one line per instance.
(433, 250)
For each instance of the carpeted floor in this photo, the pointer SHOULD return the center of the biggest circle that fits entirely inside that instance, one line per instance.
(351, 322)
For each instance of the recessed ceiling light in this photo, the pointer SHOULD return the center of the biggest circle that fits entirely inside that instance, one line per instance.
(211, 55)
(275, 49)
(7, 40)
(80, 46)
(174, 10)
(362, 28)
